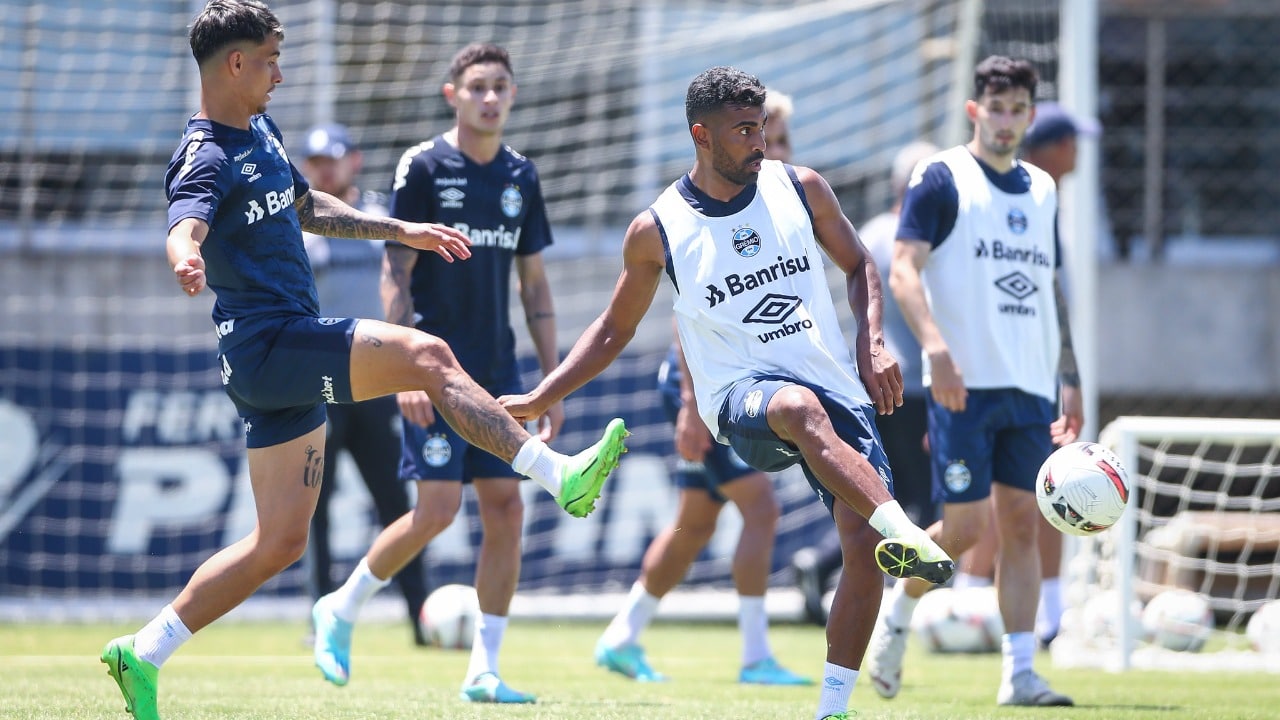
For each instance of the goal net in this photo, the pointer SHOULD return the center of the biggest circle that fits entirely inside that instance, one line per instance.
(1204, 519)
(124, 462)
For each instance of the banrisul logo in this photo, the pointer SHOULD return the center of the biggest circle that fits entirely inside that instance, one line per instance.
(746, 241)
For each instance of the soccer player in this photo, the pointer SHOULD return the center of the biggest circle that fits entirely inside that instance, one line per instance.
(347, 281)
(469, 180)
(1050, 144)
(708, 474)
(974, 272)
(742, 239)
(237, 209)
(903, 431)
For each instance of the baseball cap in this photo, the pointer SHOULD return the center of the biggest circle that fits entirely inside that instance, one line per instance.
(329, 141)
(1053, 123)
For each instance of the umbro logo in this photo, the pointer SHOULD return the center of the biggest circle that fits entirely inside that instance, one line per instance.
(248, 168)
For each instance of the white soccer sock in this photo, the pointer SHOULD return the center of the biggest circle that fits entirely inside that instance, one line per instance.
(485, 644)
(1049, 614)
(348, 599)
(753, 625)
(539, 463)
(837, 686)
(158, 639)
(965, 580)
(632, 619)
(890, 521)
(1017, 651)
(901, 606)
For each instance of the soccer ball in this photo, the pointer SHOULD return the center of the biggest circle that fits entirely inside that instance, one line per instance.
(1100, 616)
(448, 617)
(1263, 629)
(1082, 489)
(1178, 619)
(959, 621)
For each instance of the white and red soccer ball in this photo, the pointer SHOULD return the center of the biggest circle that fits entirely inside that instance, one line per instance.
(1082, 489)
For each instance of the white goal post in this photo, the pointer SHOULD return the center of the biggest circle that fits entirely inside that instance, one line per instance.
(1204, 516)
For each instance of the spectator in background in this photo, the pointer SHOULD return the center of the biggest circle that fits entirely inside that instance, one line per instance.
(708, 474)
(1050, 144)
(902, 432)
(348, 274)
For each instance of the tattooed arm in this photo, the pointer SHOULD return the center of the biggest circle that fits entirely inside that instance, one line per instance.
(1067, 427)
(397, 268)
(323, 214)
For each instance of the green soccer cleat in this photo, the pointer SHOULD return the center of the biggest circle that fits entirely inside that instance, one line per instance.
(135, 676)
(585, 473)
(919, 557)
(489, 688)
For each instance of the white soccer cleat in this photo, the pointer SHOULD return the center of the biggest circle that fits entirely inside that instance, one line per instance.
(884, 658)
(1029, 689)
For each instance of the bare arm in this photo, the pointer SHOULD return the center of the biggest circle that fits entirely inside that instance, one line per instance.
(609, 333)
(183, 249)
(877, 367)
(946, 384)
(693, 439)
(397, 268)
(540, 318)
(324, 214)
(1068, 426)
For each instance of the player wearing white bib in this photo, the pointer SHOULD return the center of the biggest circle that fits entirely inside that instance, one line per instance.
(974, 272)
(773, 379)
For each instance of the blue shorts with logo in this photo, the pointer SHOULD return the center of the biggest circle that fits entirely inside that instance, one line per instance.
(720, 466)
(1002, 436)
(438, 452)
(281, 370)
(743, 422)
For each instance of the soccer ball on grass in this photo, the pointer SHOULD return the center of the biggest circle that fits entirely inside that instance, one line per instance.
(1082, 489)
(448, 617)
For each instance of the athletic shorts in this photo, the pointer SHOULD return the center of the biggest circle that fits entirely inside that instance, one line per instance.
(720, 466)
(1002, 436)
(281, 370)
(438, 452)
(743, 421)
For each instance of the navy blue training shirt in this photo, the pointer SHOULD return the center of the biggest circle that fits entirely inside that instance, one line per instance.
(242, 184)
(499, 206)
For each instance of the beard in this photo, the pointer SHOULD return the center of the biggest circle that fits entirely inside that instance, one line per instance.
(735, 172)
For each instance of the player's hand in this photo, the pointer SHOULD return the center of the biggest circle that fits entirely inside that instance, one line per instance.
(693, 440)
(190, 272)
(551, 421)
(882, 377)
(523, 408)
(416, 407)
(948, 383)
(442, 240)
(1067, 428)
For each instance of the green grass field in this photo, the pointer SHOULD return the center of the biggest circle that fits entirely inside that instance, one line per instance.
(250, 671)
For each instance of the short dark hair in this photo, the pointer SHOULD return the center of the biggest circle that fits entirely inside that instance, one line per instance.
(475, 54)
(721, 87)
(223, 22)
(998, 73)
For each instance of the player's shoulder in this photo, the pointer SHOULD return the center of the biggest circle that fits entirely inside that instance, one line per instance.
(203, 146)
(518, 164)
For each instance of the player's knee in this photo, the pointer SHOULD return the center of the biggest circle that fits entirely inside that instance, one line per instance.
(430, 519)
(762, 512)
(796, 408)
(502, 514)
(431, 354)
(282, 549)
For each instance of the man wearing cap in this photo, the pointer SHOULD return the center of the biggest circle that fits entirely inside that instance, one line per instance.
(347, 281)
(1050, 142)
